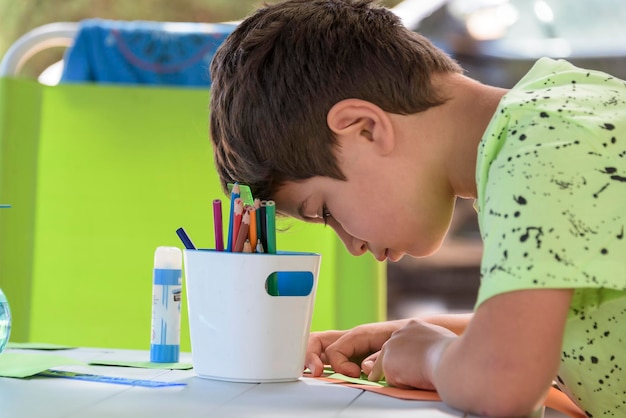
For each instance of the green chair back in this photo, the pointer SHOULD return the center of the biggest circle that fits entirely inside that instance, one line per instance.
(98, 176)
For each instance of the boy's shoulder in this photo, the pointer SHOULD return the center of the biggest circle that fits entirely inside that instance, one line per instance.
(556, 95)
(560, 81)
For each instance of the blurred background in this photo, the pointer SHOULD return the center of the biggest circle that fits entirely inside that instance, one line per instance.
(20, 16)
(496, 41)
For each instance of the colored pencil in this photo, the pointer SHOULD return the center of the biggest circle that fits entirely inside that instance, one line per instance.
(262, 233)
(217, 225)
(270, 219)
(252, 233)
(257, 215)
(237, 215)
(234, 194)
(247, 248)
(270, 246)
(242, 234)
(185, 239)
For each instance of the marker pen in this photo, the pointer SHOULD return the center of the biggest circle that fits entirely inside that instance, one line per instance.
(166, 298)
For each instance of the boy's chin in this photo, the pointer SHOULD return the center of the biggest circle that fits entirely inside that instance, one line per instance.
(420, 254)
(424, 250)
(395, 257)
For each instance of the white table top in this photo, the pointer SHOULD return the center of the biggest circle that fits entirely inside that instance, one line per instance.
(69, 398)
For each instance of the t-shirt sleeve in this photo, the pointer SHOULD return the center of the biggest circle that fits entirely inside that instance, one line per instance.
(554, 211)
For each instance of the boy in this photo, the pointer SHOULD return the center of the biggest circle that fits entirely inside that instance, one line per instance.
(344, 117)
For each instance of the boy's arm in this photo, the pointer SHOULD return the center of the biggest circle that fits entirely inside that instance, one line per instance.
(456, 323)
(503, 363)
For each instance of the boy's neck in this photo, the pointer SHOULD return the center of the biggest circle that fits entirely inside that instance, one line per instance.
(463, 121)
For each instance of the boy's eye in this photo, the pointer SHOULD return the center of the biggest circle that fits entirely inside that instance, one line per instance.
(325, 214)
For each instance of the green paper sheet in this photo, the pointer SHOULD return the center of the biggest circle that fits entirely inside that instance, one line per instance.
(142, 364)
(25, 365)
(358, 380)
(39, 346)
(362, 380)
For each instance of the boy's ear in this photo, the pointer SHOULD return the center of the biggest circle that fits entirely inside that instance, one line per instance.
(352, 119)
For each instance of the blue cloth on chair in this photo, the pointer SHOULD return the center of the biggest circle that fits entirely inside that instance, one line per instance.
(142, 52)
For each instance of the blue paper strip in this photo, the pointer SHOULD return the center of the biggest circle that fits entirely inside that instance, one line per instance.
(109, 379)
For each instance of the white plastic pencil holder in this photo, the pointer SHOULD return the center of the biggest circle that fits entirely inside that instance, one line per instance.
(239, 332)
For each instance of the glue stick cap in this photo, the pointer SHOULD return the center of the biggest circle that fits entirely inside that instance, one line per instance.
(170, 258)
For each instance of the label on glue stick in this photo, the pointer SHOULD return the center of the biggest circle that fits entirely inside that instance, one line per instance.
(166, 301)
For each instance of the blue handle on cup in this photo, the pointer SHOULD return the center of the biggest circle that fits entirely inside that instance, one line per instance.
(293, 283)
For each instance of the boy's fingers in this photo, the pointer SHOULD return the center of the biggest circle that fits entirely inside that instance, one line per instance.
(368, 363)
(341, 363)
(377, 370)
(316, 350)
(315, 364)
(314, 355)
(367, 366)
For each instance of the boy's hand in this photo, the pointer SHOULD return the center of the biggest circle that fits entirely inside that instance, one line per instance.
(316, 350)
(408, 358)
(344, 350)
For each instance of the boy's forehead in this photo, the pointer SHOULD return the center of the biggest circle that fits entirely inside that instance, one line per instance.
(287, 199)
(291, 198)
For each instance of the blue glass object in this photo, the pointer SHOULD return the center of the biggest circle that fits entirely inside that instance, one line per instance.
(5, 321)
(5, 313)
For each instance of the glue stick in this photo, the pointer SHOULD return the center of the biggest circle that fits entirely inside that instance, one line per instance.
(166, 298)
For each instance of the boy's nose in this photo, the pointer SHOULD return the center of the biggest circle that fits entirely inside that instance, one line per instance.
(358, 247)
(354, 245)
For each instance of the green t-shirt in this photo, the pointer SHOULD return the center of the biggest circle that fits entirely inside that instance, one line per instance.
(551, 177)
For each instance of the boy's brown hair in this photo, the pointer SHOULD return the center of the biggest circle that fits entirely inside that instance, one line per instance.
(279, 73)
